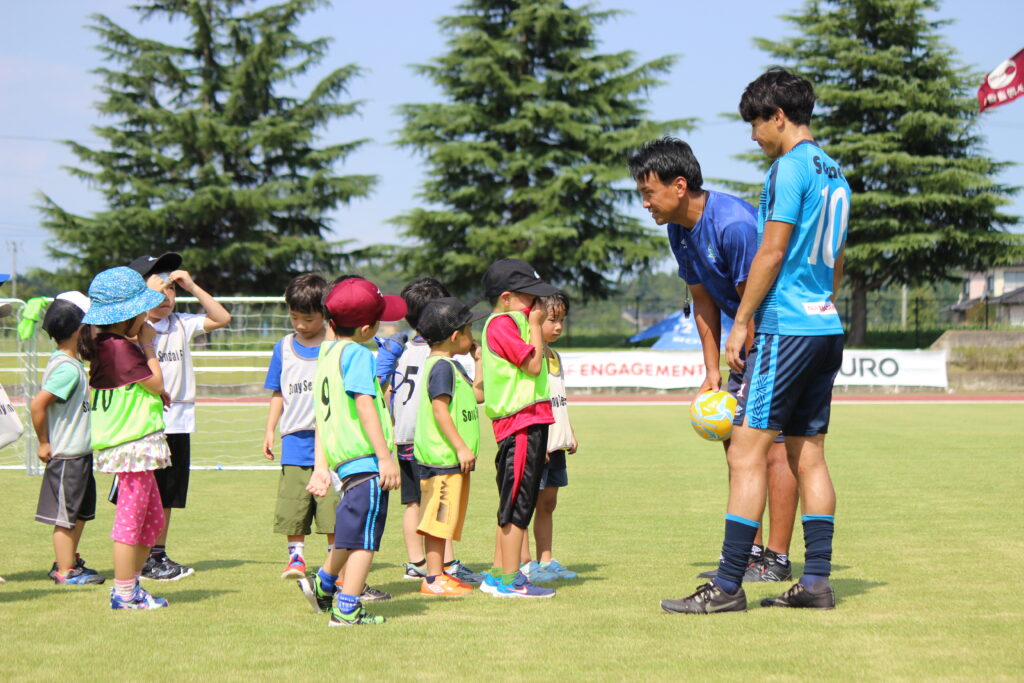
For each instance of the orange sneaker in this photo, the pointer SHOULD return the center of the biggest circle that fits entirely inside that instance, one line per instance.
(296, 568)
(445, 587)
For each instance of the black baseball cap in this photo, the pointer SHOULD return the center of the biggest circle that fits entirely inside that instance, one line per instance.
(514, 275)
(164, 263)
(440, 318)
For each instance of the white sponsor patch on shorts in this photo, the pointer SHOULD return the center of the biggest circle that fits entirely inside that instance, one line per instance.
(819, 308)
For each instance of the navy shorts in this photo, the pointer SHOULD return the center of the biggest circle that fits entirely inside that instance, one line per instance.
(360, 517)
(555, 474)
(788, 383)
(737, 388)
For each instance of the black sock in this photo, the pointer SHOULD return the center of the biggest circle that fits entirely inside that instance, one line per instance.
(158, 551)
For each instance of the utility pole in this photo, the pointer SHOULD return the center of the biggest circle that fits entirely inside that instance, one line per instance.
(13, 246)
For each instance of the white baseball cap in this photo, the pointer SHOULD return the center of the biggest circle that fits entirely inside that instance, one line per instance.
(77, 298)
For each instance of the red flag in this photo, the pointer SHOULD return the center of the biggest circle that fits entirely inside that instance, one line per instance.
(1003, 85)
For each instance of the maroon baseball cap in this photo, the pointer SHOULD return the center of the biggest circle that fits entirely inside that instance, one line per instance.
(356, 302)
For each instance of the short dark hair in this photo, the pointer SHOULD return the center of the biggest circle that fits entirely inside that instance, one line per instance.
(305, 293)
(668, 158)
(62, 319)
(418, 294)
(557, 300)
(778, 88)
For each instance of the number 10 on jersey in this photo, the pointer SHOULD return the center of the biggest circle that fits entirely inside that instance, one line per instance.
(834, 216)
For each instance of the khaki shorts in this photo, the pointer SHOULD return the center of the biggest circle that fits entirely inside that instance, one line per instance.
(297, 507)
(443, 500)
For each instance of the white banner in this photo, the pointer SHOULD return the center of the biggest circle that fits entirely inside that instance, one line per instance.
(893, 368)
(646, 369)
(685, 369)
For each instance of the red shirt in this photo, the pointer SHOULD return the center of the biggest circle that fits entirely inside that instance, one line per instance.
(503, 339)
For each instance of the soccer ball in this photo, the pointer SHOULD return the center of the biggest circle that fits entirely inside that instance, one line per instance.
(711, 415)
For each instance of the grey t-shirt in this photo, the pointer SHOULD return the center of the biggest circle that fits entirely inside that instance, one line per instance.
(67, 419)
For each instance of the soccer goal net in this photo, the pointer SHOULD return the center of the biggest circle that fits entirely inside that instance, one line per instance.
(230, 368)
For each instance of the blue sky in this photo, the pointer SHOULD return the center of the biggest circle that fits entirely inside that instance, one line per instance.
(48, 91)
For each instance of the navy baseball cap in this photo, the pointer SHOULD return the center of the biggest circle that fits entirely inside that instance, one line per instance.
(442, 317)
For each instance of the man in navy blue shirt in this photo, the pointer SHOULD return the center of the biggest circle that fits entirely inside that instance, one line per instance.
(713, 236)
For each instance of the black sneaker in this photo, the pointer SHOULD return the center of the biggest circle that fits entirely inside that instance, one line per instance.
(798, 595)
(164, 568)
(151, 568)
(371, 594)
(769, 569)
(180, 571)
(312, 588)
(752, 571)
(707, 599)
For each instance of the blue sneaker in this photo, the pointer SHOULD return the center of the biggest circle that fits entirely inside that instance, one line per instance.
(463, 573)
(521, 587)
(538, 573)
(78, 577)
(558, 569)
(490, 584)
(140, 599)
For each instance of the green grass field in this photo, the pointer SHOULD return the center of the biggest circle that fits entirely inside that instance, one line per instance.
(928, 571)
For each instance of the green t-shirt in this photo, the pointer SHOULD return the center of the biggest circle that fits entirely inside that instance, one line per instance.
(63, 379)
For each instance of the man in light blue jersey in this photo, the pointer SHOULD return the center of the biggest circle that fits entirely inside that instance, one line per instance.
(798, 345)
(713, 236)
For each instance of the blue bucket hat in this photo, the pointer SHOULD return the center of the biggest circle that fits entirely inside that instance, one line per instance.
(119, 294)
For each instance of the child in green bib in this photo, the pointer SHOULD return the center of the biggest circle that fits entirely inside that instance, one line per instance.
(354, 441)
(447, 438)
(127, 423)
(519, 404)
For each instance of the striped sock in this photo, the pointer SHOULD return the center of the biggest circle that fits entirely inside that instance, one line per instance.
(348, 603)
(124, 589)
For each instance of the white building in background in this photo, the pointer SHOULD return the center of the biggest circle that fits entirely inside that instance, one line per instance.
(1002, 288)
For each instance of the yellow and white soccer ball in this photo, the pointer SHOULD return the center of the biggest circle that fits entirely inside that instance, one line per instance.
(711, 415)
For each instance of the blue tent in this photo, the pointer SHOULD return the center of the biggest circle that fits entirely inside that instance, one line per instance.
(679, 333)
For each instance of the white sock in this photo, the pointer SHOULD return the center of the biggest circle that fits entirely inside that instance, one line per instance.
(296, 548)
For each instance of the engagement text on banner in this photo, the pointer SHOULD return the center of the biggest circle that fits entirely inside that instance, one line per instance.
(685, 369)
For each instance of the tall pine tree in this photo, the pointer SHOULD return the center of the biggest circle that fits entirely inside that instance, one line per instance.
(206, 152)
(526, 155)
(898, 113)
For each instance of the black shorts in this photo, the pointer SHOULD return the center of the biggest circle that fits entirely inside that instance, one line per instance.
(518, 486)
(789, 380)
(67, 493)
(173, 481)
(410, 478)
(361, 514)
